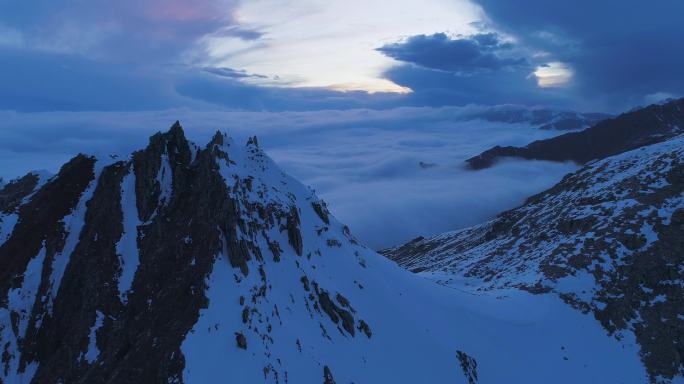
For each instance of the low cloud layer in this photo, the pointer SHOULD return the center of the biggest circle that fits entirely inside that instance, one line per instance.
(365, 163)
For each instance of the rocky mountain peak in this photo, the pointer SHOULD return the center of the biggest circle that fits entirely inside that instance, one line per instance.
(128, 244)
(218, 138)
(150, 269)
(253, 141)
(157, 165)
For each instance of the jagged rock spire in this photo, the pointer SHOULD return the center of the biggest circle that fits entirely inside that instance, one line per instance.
(164, 154)
(253, 141)
(176, 127)
(218, 138)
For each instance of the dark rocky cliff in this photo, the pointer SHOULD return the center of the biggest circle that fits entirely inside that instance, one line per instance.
(609, 137)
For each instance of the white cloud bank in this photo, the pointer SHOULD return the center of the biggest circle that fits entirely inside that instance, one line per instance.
(365, 163)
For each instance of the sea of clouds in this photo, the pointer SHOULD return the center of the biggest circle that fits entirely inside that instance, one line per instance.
(365, 163)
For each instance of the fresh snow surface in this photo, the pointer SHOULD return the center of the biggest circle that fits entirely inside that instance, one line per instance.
(127, 247)
(20, 301)
(417, 326)
(7, 223)
(93, 352)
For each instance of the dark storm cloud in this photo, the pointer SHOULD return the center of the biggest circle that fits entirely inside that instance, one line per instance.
(437, 87)
(480, 68)
(620, 51)
(463, 55)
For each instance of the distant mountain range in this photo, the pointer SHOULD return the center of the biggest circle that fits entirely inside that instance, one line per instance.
(630, 130)
(544, 118)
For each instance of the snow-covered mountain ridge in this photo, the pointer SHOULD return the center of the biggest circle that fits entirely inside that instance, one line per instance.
(187, 264)
(608, 240)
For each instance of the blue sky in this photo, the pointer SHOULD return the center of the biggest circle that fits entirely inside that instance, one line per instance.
(313, 54)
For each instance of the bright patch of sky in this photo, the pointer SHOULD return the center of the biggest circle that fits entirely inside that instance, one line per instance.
(554, 74)
(318, 43)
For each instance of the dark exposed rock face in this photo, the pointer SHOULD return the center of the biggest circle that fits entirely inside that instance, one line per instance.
(335, 312)
(241, 340)
(61, 336)
(39, 222)
(363, 327)
(628, 131)
(322, 211)
(618, 222)
(469, 366)
(327, 376)
(139, 339)
(12, 193)
(150, 171)
(293, 233)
